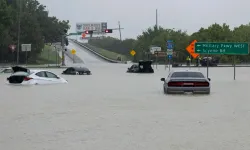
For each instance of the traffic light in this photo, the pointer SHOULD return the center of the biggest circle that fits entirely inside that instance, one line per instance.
(108, 31)
(88, 32)
(66, 41)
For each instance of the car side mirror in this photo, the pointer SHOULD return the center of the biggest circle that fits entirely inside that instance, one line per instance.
(162, 79)
(209, 79)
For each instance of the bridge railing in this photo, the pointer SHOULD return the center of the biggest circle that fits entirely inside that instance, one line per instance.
(95, 52)
(74, 58)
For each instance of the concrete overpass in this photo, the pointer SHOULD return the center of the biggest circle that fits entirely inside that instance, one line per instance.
(92, 52)
(85, 55)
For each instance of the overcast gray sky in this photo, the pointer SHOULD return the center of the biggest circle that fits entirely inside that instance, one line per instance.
(137, 15)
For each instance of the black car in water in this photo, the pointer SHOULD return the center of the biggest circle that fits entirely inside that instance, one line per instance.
(141, 67)
(77, 71)
(210, 61)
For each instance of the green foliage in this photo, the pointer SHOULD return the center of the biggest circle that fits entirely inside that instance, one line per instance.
(36, 28)
(114, 45)
(158, 37)
(108, 54)
(48, 56)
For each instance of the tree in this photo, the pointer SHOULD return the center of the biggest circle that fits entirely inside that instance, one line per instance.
(113, 44)
(158, 37)
(36, 27)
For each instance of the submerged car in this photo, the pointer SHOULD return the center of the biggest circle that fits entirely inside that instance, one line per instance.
(25, 76)
(186, 81)
(141, 67)
(77, 71)
(210, 61)
(6, 70)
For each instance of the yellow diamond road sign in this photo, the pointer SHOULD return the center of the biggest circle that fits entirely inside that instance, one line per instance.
(132, 52)
(73, 51)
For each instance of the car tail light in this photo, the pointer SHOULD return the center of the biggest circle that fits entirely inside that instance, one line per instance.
(201, 84)
(188, 84)
(175, 83)
(27, 78)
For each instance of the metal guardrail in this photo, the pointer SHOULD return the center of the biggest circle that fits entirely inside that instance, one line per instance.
(96, 53)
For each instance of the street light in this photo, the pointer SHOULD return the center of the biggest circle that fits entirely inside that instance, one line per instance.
(19, 31)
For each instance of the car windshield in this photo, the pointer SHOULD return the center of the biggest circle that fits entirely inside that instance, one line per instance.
(187, 75)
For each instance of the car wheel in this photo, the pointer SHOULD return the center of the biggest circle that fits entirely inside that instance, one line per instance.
(166, 91)
(208, 92)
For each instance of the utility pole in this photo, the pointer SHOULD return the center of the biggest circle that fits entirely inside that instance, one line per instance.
(63, 48)
(120, 30)
(19, 31)
(156, 19)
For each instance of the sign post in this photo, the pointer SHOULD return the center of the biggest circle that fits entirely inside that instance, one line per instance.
(169, 58)
(73, 52)
(170, 47)
(133, 53)
(222, 48)
(26, 48)
(207, 64)
(155, 50)
(234, 67)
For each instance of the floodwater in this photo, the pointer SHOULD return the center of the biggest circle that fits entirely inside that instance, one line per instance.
(114, 110)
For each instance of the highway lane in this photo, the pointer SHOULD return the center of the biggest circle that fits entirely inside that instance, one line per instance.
(85, 55)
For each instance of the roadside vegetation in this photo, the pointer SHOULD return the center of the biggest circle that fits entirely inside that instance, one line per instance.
(109, 54)
(49, 56)
(158, 37)
(36, 28)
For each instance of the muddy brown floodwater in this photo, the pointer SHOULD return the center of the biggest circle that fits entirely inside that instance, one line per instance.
(113, 110)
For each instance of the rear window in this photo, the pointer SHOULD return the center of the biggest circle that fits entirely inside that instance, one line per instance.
(187, 74)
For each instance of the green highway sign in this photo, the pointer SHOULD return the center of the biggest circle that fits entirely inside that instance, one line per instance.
(222, 48)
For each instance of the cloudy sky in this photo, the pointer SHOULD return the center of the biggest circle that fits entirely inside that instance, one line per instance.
(137, 15)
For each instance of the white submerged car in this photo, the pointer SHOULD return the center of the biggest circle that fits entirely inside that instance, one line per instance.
(25, 76)
(6, 70)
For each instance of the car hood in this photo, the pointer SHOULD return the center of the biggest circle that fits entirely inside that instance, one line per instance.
(22, 69)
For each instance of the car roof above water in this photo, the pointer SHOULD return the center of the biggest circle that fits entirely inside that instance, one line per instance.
(28, 73)
(37, 70)
(186, 71)
(79, 68)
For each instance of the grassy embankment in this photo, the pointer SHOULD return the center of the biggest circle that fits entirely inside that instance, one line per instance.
(49, 56)
(108, 54)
